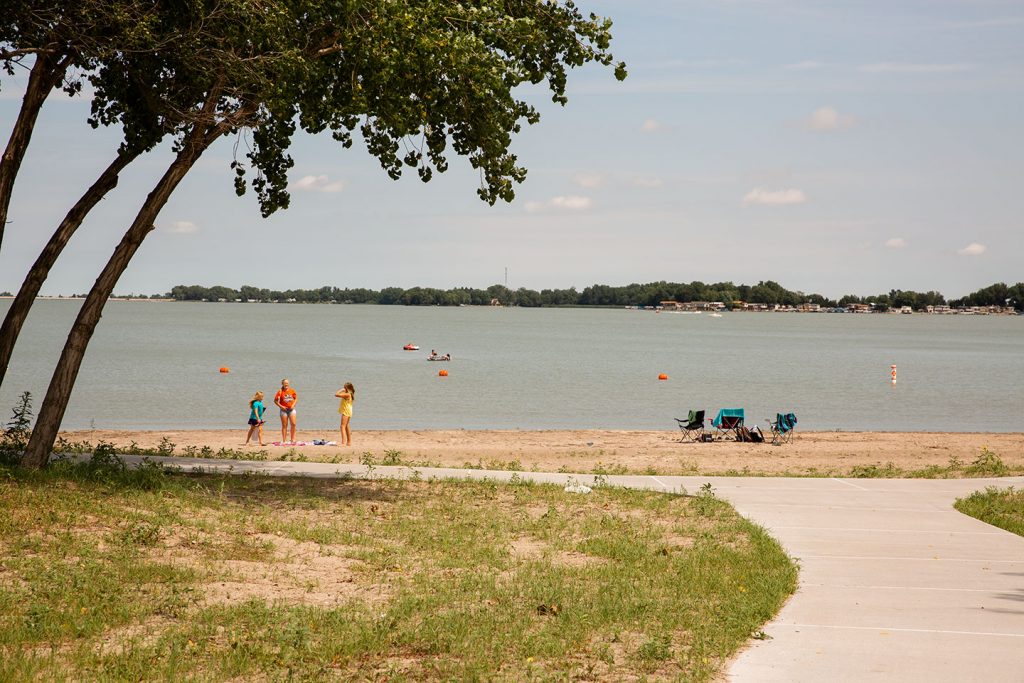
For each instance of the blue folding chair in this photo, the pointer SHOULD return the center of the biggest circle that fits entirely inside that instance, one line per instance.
(783, 428)
(727, 420)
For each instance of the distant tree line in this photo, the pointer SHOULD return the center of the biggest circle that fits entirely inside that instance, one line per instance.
(650, 294)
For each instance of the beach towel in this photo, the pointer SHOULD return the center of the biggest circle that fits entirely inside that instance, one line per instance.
(288, 443)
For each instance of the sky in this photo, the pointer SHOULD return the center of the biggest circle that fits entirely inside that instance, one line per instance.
(834, 147)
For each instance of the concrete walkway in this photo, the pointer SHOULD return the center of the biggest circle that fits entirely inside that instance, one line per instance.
(895, 585)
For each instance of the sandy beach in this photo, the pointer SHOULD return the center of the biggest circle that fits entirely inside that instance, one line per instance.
(614, 451)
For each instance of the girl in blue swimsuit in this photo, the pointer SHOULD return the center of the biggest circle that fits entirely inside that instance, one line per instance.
(256, 409)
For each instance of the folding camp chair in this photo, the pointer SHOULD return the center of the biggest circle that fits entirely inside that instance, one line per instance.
(728, 420)
(783, 428)
(693, 426)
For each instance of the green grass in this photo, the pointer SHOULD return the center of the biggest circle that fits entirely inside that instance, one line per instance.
(115, 574)
(1003, 508)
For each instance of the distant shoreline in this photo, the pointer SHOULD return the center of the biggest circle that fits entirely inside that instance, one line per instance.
(681, 297)
(972, 311)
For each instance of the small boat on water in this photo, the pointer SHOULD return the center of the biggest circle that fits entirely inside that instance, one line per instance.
(411, 347)
(440, 358)
(715, 315)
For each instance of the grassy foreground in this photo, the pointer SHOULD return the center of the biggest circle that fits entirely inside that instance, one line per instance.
(115, 574)
(1003, 508)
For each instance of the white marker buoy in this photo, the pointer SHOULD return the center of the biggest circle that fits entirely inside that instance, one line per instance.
(892, 373)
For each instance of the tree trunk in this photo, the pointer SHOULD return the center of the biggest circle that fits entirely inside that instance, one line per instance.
(46, 73)
(52, 412)
(22, 303)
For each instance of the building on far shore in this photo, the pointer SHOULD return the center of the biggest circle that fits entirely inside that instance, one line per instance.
(696, 306)
(692, 305)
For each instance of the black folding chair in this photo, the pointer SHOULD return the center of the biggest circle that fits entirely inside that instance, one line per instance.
(693, 426)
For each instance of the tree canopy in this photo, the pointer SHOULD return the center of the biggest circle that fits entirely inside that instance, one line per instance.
(648, 294)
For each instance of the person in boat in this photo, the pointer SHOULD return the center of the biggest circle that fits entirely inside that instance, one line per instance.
(447, 356)
(433, 354)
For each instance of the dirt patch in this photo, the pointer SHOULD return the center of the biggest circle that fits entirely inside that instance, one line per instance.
(293, 572)
(576, 559)
(126, 638)
(527, 548)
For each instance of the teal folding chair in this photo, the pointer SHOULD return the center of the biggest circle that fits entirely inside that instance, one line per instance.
(728, 420)
(783, 428)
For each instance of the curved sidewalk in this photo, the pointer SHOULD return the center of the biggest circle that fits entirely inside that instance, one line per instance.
(895, 585)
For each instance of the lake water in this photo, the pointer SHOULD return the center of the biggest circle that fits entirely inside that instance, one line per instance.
(155, 366)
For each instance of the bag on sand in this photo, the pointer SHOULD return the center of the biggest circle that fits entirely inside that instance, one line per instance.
(749, 435)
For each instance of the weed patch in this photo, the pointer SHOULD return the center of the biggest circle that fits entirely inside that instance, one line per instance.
(1003, 508)
(988, 464)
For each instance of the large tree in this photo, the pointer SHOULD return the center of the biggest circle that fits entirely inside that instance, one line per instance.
(413, 78)
(140, 85)
(56, 42)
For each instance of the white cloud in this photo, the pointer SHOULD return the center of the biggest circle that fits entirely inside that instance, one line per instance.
(896, 243)
(805, 65)
(316, 183)
(647, 181)
(571, 202)
(709, 63)
(653, 126)
(676, 64)
(182, 228)
(589, 180)
(828, 118)
(563, 203)
(913, 68)
(973, 249)
(759, 195)
(984, 23)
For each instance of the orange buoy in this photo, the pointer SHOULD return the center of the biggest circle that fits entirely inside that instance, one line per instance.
(225, 370)
(663, 376)
(442, 373)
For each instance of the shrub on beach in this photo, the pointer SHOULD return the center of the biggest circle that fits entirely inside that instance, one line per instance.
(17, 431)
(987, 464)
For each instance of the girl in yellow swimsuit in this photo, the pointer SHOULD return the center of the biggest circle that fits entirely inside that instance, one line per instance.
(348, 397)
